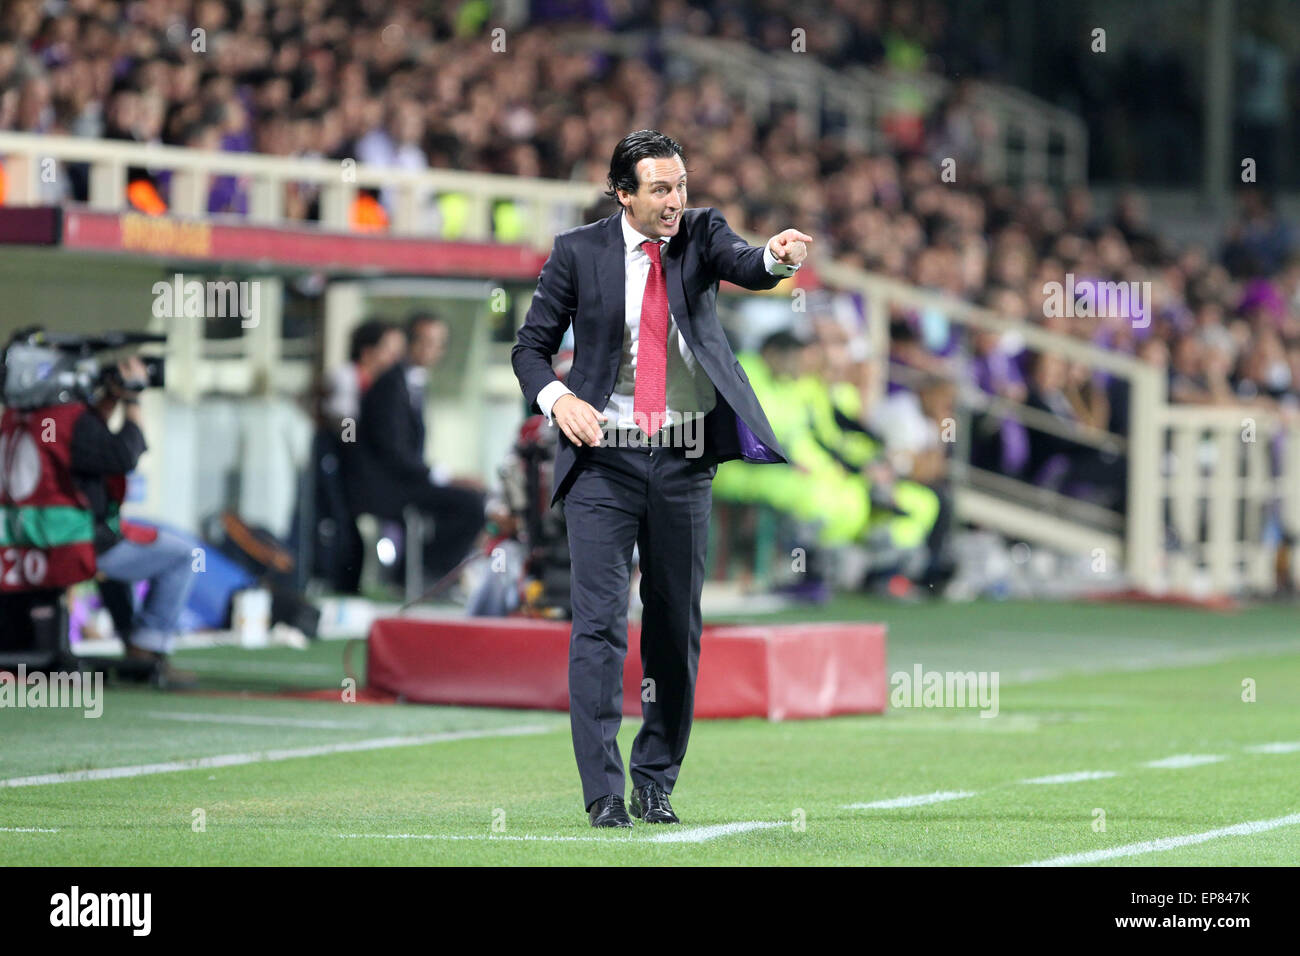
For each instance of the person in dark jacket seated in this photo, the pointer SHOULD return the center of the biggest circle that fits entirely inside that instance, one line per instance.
(387, 472)
(1074, 468)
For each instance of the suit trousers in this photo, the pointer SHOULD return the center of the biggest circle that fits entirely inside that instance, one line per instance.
(658, 499)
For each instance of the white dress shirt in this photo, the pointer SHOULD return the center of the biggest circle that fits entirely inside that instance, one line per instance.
(688, 389)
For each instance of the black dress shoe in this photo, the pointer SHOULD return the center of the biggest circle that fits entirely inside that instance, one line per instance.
(609, 811)
(650, 803)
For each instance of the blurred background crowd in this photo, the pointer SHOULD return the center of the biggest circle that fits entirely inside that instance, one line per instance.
(395, 84)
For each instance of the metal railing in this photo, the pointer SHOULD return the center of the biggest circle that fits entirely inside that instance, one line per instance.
(1015, 507)
(1034, 141)
(1213, 492)
(549, 205)
(1228, 491)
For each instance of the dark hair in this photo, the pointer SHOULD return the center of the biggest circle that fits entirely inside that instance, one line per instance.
(631, 149)
(782, 341)
(367, 336)
(417, 319)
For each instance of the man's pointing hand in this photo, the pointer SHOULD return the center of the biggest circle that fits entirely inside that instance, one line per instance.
(788, 247)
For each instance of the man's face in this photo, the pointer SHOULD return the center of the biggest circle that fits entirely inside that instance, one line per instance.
(812, 359)
(429, 343)
(938, 402)
(784, 363)
(655, 209)
(391, 348)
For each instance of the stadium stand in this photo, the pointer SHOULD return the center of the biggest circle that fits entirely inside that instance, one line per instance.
(1091, 358)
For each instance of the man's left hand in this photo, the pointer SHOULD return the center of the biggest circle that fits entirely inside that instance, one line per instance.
(788, 247)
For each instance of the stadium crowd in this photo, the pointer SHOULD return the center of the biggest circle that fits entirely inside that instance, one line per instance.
(389, 84)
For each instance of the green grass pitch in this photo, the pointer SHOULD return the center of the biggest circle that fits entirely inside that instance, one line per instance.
(1097, 691)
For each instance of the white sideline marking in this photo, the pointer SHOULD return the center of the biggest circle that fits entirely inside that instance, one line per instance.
(26, 830)
(266, 756)
(1184, 760)
(700, 834)
(1279, 748)
(249, 719)
(689, 835)
(453, 836)
(916, 801)
(1175, 762)
(1073, 777)
(1169, 843)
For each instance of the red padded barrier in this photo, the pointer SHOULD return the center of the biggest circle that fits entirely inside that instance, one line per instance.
(775, 671)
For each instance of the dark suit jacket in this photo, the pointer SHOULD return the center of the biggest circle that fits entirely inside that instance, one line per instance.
(388, 457)
(584, 281)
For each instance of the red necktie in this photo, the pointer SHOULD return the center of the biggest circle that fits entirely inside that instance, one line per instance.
(649, 401)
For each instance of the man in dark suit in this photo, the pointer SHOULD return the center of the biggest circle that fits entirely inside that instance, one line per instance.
(653, 374)
(386, 469)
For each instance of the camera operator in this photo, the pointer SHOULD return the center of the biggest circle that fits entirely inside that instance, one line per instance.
(101, 460)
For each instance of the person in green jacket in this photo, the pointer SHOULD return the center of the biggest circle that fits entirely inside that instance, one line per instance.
(813, 488)
(838, 484)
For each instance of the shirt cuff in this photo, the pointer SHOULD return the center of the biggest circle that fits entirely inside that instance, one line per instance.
(440, 475)
(548, 396)
(772, 266)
